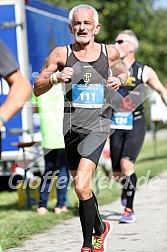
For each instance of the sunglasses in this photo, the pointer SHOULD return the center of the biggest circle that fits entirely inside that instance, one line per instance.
(120, 41)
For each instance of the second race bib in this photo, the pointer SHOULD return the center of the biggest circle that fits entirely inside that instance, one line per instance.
(122, 120)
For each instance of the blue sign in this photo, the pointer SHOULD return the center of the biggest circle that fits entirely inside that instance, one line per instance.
(8, 35)
(47, 27)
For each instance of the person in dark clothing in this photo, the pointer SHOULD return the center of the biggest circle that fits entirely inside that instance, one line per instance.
(128, 119)
(50, 109)
(85, 68)
(20, 88)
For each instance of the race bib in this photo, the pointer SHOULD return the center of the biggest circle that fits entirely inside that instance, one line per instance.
(122, 120)
(87, 95)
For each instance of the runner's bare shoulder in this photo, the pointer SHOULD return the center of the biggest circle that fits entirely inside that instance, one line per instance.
(113, 53)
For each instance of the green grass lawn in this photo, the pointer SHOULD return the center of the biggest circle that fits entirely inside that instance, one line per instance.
(18, 223)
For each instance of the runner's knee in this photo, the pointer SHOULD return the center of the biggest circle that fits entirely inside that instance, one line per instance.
(83, 191)
(127, 166)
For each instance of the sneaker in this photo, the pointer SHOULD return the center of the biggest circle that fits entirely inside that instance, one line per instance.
(123, 198)
(99, 242)
(86, 250)
(128, 216)
(42, 210)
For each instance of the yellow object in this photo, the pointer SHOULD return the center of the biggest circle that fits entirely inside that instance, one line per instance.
(33, 188)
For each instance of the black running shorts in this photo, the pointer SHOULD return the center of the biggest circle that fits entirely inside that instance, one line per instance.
(79, 146)
(127, 143)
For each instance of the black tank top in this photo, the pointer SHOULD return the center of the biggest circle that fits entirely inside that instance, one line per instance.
(133, 91)
(93, 74)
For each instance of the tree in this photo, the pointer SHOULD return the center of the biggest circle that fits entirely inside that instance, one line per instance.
(153, 44)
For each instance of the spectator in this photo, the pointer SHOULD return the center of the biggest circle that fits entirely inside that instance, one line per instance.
(50, 108)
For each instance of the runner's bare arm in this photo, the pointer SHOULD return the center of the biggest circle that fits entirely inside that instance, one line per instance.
(151, 79)
(119, 73)
(54, 65)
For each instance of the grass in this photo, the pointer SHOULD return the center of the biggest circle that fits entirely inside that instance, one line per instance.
(19, 223)
(152, 158)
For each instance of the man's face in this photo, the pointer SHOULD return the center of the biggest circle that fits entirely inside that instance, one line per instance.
(124, 45)
(83, 26)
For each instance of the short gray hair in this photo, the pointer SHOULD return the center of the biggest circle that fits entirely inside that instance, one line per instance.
(132, 36)
(84, 6)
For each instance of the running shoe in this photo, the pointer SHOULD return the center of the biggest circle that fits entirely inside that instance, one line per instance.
(86, 250)
(128, 216)
(99, 242)
(123, 198)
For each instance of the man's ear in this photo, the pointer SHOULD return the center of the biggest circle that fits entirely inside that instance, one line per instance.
(97, 29)
(132, 47)
(70, 27)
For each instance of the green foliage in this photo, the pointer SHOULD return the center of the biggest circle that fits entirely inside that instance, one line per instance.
(153, 44)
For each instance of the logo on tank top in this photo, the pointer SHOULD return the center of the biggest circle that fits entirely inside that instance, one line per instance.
(131, 80)
(87, 77)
